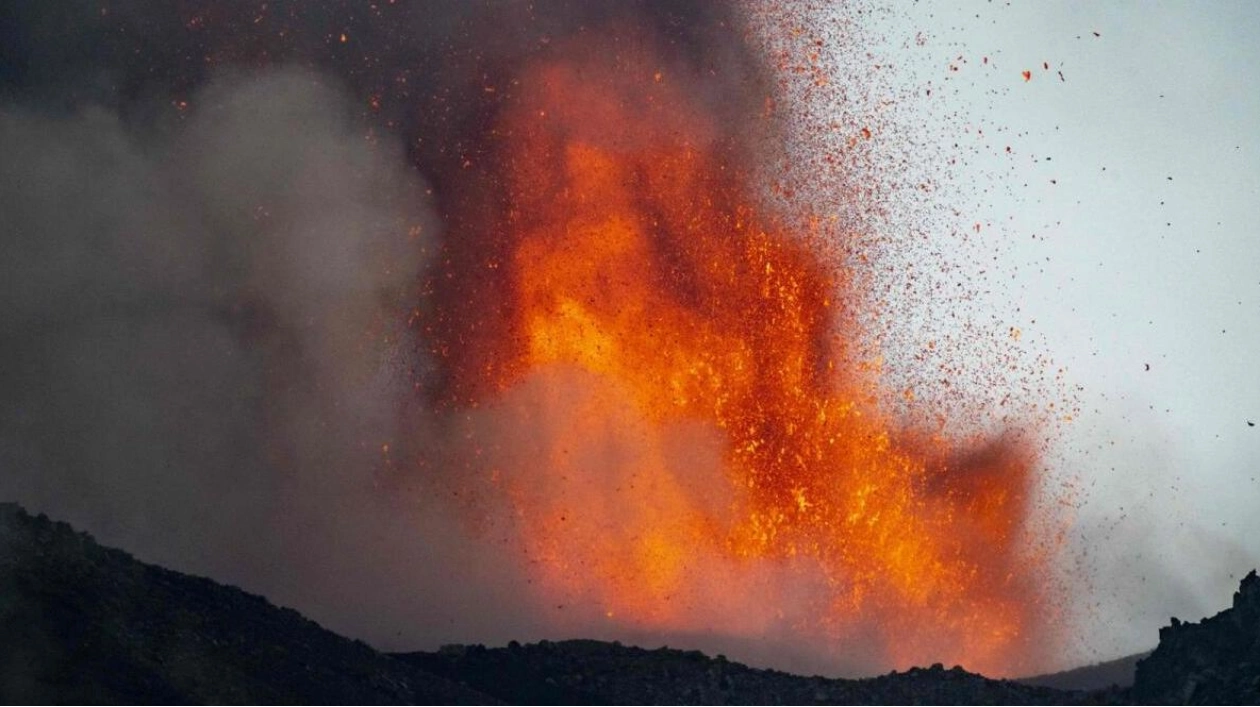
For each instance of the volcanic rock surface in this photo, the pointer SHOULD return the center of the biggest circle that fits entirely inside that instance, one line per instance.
(595, 672)
(88, 624)
(84, 623)
(1215, 661)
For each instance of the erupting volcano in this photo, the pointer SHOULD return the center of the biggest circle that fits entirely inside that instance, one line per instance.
(665, 404)
(450, 321)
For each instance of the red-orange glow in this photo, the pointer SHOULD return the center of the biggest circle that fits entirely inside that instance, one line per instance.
(690, 443)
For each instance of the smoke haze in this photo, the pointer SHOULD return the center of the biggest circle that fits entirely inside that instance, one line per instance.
(205, 346)
(239, 241)
(214, 258)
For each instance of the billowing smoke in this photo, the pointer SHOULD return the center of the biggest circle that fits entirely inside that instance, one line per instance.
(204, 338)
(264, 273)
(220, 227)
(207, 356)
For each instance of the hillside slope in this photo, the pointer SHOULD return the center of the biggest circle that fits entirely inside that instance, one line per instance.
(596, 672)
(1119, 672)
(84, 623)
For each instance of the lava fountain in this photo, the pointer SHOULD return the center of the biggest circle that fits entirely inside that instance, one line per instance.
(663, 398)
(658, 405)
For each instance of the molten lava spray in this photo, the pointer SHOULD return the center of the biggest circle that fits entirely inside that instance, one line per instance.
(471, 320)
(667, 408)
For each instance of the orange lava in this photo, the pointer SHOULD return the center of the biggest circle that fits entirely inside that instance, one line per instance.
(685, 439)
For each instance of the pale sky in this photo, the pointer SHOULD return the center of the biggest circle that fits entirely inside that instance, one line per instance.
(1125, 221)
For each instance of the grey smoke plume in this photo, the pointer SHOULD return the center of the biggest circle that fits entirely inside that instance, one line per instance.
(203, 347)
(206, 357)
(208, 279)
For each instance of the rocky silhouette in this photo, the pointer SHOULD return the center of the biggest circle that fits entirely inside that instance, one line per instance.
(88, 624)
(1214, 661)
(83, 623)
(595, 672)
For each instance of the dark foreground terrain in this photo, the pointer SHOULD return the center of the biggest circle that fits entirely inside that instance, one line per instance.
(84, 623)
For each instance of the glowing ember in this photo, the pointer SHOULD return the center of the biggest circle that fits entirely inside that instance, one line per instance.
(653, 308)
(680, 430)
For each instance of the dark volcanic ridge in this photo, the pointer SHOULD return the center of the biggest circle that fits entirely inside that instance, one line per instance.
(84, 623)
(81, 622)
(595, 672)
(1215, 661)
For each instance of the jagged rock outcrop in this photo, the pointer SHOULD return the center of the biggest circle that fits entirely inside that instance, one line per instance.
(87, 624)
(1215, 661)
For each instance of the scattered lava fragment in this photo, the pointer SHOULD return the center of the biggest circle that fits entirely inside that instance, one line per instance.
(650, 306)
(668, 397)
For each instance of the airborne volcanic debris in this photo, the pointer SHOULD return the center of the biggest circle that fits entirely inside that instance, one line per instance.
(539, 280)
